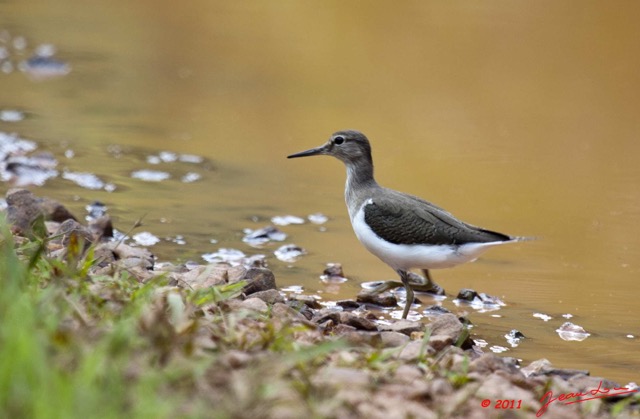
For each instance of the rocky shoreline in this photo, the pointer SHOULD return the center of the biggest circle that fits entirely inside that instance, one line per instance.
(349, 364)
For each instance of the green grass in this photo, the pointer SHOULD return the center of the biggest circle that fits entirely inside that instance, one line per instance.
(73, 345)
(65, 352)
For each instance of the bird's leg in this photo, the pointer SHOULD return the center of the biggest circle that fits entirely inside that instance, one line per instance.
(418, 283)
(404, 277)
(429, 285)
(385, 286)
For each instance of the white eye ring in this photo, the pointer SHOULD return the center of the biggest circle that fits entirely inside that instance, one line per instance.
(338, 140)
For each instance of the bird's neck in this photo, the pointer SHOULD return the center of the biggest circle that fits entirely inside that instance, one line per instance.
(359, 181)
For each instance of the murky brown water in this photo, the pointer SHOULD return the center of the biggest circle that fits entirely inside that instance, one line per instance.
(520, 117)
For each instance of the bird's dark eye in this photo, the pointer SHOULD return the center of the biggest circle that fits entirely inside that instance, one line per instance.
(338, 140)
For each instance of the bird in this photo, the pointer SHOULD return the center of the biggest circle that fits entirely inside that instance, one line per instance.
(402, 230)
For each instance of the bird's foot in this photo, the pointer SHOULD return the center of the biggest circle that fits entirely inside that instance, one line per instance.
(424, 284)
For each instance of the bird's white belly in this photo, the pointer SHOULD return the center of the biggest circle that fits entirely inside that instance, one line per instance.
(408, 256)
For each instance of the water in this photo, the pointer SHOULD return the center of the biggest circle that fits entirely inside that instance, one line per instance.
(518, 118)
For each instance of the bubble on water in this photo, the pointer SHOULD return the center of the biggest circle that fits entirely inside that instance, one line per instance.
(10, 115)
(572, 332)
(542, 316)
(284, 220)
(318, 218)
(150, 175)
(145, 238)
(190, 177)
(84, 180)
(289, 253)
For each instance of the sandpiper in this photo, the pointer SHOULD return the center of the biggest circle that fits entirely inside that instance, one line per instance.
(404, 231)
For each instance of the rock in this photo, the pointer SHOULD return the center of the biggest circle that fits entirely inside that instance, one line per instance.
(284, 312)
(24, 208)
(101, 228)
(543, 367)
(498, 386)
(70, 228)
(415, 351)
(393, 339)
(301, 308)
(55, 211)
(235, 358)
(259, 279)
(356, 321)
(384, 299)
(309, 300)
(269, 296)
(333, 274)
(407, 373)
(263, 235)
(348, 304)
(467, 294)
(435, 310)
(447, 330)
(340, 377)
(103, 257)
(202, 276)
(124, 251)
(323, 315)
(357, 337)
(255, 304)
(440, 387)
(403, 326)
(490, 362)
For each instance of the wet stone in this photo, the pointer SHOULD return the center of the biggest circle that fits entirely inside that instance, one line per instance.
(333, 274)
(323, 316)
(435, 310)
(489, 363)
(447, 329)
(356, 321)
(101, 227)
(406, 327)
(543, 367)
(70, 228)
(255, 304)
(415, 350)
(34, 170)
(514, 337)
(259, 279)
(263, 235)
(301, 308)
(393, 339)
(385, 299)
(201, 277)
(23, 208)
(96, 210)
(309, 300)
(358, 337)
(270, 296)
(283, 311)
(467, 294)
(348, 304)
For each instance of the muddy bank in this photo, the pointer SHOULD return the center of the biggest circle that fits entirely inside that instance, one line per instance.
(341, 361)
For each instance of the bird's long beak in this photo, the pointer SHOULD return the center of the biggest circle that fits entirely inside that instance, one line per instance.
(313, 152)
